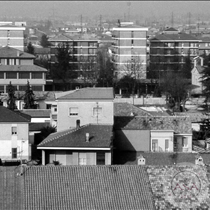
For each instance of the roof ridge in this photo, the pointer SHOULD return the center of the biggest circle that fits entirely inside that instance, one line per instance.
(63, 134)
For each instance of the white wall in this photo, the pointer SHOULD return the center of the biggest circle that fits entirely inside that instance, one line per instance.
(9, 141)
(85, 113)
(161, 136)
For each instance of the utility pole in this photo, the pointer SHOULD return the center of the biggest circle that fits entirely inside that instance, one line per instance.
(81, 24)
(100, 23)
(189, 21)
(172, 20)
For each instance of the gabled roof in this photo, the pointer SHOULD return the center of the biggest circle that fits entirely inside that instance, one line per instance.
(37, 113)
(89, 93)
(174, 37)
(87, 188)
(171, 29)
(18, 68)
(9, 52)
(180, 125)
(60, 38)
(7, 115)
(37, 126)
(100, 136)
(126, 109)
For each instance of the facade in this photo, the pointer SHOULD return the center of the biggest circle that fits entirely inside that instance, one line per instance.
(18, 68)
(12, 36)
(204, 47)
(169, 50)
(130, 45)
(84, 48)
(87, 145)
(14, 136)
(153, 134)
(196, 75)
(84, 106)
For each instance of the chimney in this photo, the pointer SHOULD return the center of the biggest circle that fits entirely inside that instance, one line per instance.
(141, 160)
(201, 61)
(87, 136)
(18, 53)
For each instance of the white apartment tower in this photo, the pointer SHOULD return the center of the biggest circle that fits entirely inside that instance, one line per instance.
(130, 43)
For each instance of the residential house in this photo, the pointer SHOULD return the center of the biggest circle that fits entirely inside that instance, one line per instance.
(18, 68)
(196, 75)
(14, 135)
(12, 36)
(83, 106)
(86, 145)
(169, 50)
(130, 45)
(153, 133)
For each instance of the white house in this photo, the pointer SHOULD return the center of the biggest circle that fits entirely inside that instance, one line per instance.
(84, 106)
(14, 135)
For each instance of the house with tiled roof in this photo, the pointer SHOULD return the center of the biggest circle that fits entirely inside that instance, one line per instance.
(153, 134)
(18, 67)
(86, 145)
(196, 75)
(84, 106)
(14, 136)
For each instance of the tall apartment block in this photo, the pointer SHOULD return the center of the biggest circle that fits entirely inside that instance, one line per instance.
(169, 50)
(130, 45)
(12, 36)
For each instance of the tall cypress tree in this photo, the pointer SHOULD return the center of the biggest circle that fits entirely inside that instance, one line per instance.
(11, 97)
(29, 98)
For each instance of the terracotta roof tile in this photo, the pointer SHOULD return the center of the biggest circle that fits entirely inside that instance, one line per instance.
(90, 93)
(178, 124)
(17, 68)
(100, 136)
(7, 115)
(87, 187)
(9, 52)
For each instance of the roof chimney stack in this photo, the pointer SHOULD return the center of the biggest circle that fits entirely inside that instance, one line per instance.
(87, 136)
(18, 53)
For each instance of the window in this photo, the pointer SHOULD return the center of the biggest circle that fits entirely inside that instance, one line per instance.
(97, 111)
(22, 88)
(36, 88)
(73, 111)
(14, 152)
(100, 158)
(24, 75)
(184, 142)
(1, 75)
(154, 145)
(36, 75)
(166, 145)
(11, 75)
(82, 159)
(14, 130)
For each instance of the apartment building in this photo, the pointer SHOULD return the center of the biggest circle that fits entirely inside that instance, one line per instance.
(18, 68)
(12, 36)
(130, 45)
(83, 46)
(169, 50)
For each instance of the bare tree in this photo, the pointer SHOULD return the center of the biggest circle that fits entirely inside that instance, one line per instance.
(135, 70)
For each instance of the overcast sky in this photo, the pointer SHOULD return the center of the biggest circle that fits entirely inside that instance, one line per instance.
(90, 8)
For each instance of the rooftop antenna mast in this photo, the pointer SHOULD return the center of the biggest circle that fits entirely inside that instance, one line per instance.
(129, 4)
(189, 21)
(81, 24)
(172, 20)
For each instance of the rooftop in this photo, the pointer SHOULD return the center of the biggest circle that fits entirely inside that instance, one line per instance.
(18, 68)
(176, 123)
(9, 52)
(37, 113)
(100, 136)
(87, 187)
(89, 93)
(7, 115)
